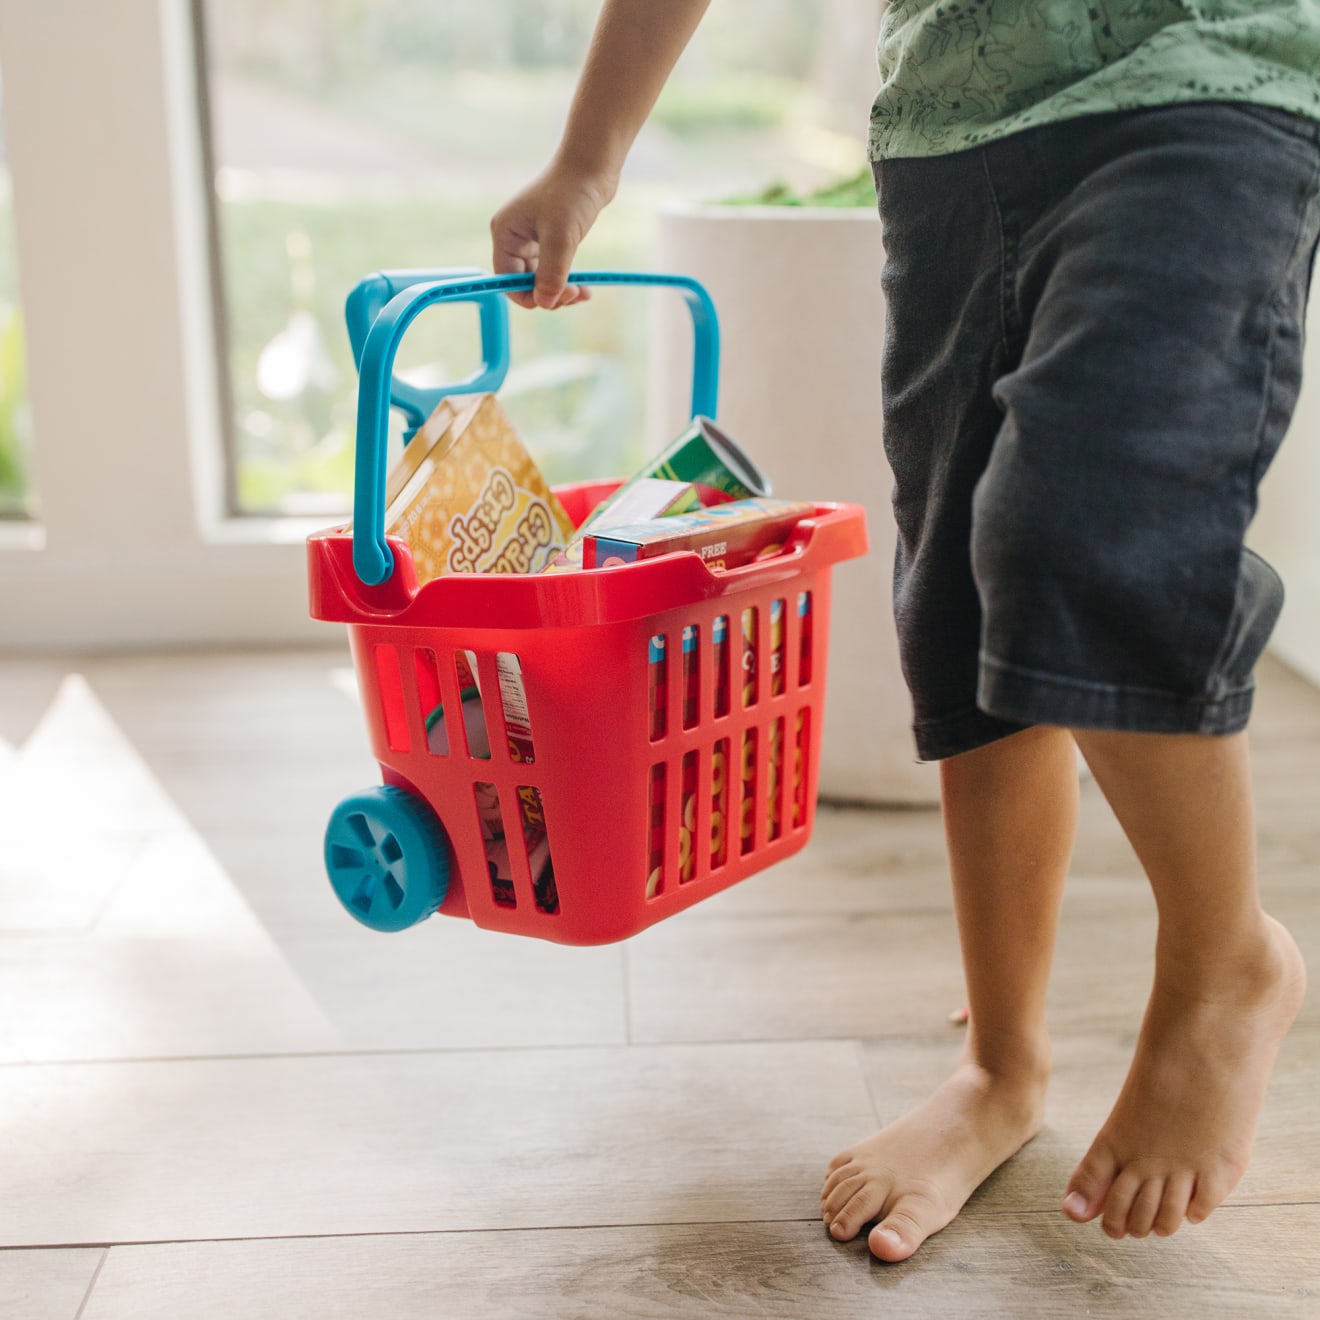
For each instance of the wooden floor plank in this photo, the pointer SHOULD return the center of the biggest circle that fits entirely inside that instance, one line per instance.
(46, 1285)
(450, 985)
(1248, 1263)
(389, 1143)
(876, 974)
(794, 977)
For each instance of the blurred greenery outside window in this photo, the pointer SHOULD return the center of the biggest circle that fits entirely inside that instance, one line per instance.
(355, 135)
(16, 496)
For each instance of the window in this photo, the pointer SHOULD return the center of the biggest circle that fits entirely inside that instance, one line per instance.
(384, 133)
(16, 498)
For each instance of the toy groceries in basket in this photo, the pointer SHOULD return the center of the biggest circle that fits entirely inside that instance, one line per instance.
(592, 705)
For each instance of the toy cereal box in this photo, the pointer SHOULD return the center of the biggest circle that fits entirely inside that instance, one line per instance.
(640, 500)
(704, 455)
(422, 444)
(475, 501)
(725, 535)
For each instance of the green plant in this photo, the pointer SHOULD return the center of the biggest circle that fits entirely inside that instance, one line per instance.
(854, 190)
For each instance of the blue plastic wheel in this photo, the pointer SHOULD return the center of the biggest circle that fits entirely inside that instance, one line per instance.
(387, 858)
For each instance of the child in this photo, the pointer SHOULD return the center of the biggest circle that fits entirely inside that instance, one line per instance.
(1099, 226)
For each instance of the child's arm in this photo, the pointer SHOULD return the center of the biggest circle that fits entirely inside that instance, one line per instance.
(634, 47)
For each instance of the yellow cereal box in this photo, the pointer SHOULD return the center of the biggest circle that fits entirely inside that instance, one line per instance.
(432, 430)
(476, 502)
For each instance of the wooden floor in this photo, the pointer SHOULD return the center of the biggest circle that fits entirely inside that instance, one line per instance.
(221, 1098)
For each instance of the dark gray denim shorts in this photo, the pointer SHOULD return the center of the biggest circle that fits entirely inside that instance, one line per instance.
(1093, 350)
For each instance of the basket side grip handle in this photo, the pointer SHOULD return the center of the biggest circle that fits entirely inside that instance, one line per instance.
(370, 297)
(372, 559)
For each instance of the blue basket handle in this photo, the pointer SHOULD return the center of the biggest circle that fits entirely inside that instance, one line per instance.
(370, 298)
(371, 554)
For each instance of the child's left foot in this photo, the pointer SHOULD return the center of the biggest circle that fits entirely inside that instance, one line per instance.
(1181, 1134)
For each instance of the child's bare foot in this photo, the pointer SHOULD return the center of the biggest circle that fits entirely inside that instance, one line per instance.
(1181, 1133)
(916, 1174)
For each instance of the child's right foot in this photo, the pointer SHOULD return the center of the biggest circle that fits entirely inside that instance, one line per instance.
(916, 1174)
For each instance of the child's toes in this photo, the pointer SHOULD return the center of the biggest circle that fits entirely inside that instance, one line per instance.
(1173, 1208)
(1206, 1195)
(839, 1189)
(1145, 1207)
(1089, 1184)
(1118, 1203)
(848, 1200)
(910, 1221)
(846, 1221)
(843, 1168)
(842, 1158)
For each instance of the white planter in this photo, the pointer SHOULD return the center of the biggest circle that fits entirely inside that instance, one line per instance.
(802, 319)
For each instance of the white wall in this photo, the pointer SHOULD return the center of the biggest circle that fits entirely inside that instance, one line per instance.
(1287, 528)
(131, 547)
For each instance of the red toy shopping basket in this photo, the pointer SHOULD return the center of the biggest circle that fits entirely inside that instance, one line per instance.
(668, 717)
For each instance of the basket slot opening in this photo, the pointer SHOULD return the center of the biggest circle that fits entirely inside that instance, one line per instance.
(778, 624)
(458, 737)
(389, 681)
(428, 683)
(801, 753)
(687, 833)
(673, 819)
(655, 862)
(513, 702)
(719, 804)
(747, 799)
(499, 865)
(804, 637)
(430, 700)
(776, 777)
(750, 650)
(536, 848)
(657, 669)
(720, 654)
(691, 675)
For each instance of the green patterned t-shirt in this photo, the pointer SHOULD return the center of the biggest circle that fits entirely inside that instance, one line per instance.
(956, 73)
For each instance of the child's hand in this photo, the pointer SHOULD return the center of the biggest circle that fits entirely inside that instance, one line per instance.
(540, 228)
(634, 47)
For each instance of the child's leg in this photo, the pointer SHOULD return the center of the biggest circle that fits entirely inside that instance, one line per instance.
(1228, 982)
(1010, 812)
(1094, 349)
